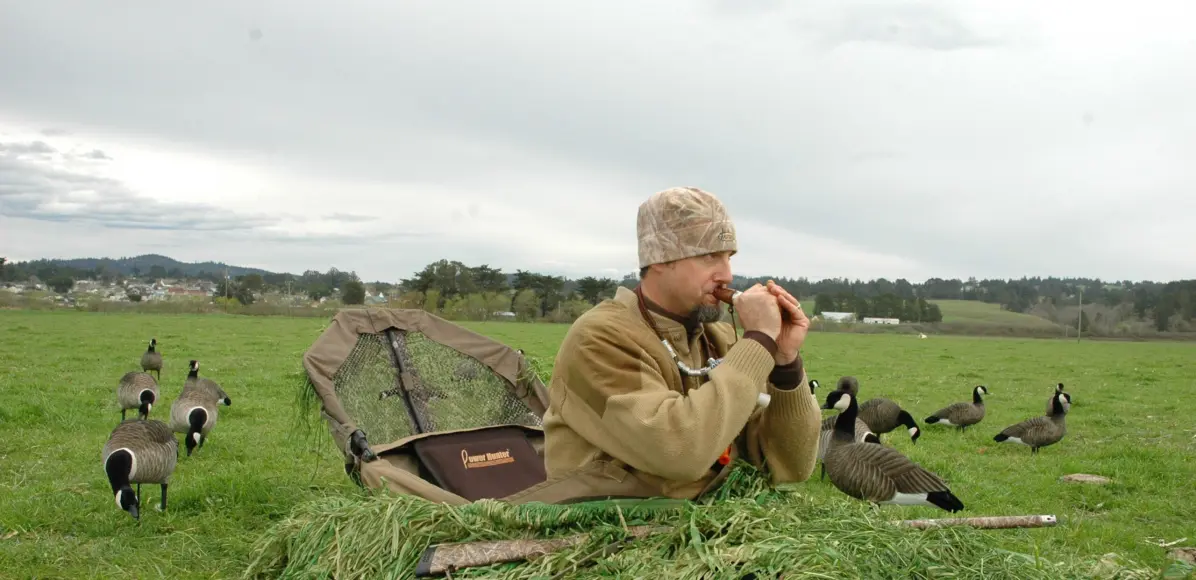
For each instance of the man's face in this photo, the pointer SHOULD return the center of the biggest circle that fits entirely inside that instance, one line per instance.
(692, 280)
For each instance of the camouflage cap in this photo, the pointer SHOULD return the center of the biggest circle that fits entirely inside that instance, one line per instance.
(682, 222)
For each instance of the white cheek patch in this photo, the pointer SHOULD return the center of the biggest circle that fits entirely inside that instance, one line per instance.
(118, 493)
(841, 404)
(196, 437)
(913, 431)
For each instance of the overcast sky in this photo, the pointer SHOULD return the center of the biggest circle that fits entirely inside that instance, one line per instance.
(860, 139)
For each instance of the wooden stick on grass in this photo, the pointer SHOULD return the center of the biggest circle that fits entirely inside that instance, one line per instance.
(985, 523)
(439, 558)
(442, 558)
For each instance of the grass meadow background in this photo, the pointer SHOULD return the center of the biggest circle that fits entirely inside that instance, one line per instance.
(1131, 421)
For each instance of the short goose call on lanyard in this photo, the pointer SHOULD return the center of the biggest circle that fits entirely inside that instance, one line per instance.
(729, 295)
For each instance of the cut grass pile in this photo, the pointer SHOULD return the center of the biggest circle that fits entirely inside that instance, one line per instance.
(745, 529)
(59, 372)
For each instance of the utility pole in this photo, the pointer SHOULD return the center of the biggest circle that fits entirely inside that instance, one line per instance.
(1080, 316)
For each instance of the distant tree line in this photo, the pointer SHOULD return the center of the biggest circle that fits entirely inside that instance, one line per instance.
(479, 292)
(888, 305)
(1167, 304)
(458, 289)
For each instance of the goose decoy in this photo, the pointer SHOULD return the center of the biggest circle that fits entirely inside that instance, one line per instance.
(962, 414)
(875, 473)
(1041, 431)
(137, 390)
(862, 435)
(151, 359)
(194, 412)
(212, 387)
(139, 451)
(881, 415)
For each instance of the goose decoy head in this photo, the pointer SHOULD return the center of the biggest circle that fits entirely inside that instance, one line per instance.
(126, 498)
(840, 400)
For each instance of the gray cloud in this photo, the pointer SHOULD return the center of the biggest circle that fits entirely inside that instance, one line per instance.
(349, 217)
(47, 193)
(33, 190)
(28, 190)
(39, 148)
(969, 138)
(919, 26)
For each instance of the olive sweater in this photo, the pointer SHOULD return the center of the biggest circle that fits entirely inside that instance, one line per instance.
(616, 394)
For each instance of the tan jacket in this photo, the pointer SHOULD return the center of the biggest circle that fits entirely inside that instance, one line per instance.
(616, 398)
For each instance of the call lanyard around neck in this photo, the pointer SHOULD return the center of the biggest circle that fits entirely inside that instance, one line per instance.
(685, 369)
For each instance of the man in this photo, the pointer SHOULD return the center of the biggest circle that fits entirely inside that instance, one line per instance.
(669, 425)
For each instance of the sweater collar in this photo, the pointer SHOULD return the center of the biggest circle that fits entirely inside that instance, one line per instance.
(671, 324)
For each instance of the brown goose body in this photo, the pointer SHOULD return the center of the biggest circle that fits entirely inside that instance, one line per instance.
(151, 360)
(194, 412)
(185, 403)
(962, 414)
(882, 415)
(136, 390)
(212, 388)
(1041, 431)
(828, 426)
(876, 473)
(861, 434)
(139, 451)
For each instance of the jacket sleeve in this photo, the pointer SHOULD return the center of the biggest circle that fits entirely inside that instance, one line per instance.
(615, 396)
(786, 434)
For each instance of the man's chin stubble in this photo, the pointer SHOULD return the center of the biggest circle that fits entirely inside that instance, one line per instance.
(710, 313)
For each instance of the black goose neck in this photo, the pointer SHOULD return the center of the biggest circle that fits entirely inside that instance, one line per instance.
(117, 466)
(845, 422)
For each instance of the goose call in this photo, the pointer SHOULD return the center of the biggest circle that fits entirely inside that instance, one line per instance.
(728, 296)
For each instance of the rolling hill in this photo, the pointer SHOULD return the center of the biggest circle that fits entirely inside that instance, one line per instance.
(976, 312)
(146, 262)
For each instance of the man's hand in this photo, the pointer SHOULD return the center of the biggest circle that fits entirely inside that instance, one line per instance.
(793, 331)
(758, 310)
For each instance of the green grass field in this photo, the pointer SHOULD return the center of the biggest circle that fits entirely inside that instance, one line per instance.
(59, 372)
(976, 312)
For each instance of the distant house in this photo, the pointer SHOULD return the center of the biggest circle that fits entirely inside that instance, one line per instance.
(174, 291)
(876, 320)
(838, 316)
